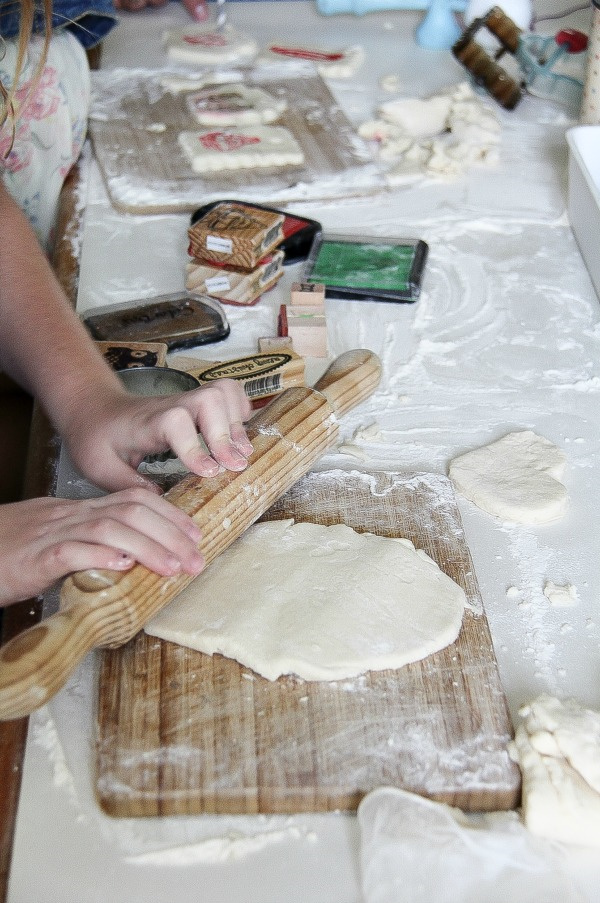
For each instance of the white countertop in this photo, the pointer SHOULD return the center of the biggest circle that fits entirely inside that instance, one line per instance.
(505, 335)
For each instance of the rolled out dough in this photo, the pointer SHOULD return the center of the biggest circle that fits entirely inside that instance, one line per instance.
(516, 478)
(324, 603)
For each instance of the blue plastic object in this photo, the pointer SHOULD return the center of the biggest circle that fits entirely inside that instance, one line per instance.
(361, 7)
(439, 29)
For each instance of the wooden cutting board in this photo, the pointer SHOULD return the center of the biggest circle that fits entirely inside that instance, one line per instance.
(180, 732)
(135, 122)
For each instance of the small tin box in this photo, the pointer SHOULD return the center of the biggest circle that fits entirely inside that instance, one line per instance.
(235, 286)
(367, 268)
(180, 320)
(236, 234)
(298, 231)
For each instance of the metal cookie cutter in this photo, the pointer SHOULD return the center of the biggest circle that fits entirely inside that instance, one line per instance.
(534, 54)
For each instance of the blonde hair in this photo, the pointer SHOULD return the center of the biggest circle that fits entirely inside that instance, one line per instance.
(8, 111)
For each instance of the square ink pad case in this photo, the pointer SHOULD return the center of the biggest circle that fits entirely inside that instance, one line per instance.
(179, 320)
(365, 268)
(298, 231)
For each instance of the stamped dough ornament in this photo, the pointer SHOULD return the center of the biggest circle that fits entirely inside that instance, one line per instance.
(323, 603)
(343, 63)
(517, 478)
(234, 105)
(252, 147)
(209, 45)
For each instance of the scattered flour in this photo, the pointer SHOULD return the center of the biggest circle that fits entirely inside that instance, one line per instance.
(227, 848)
(46, 736)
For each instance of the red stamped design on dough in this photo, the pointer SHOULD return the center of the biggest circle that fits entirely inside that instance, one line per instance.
(302, 53)
(226, 141)
(205, 40)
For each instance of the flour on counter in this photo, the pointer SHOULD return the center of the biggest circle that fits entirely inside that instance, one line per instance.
(558, 750)
(230, 847)
(46, 736)
(370, 433)
(516, 478)
(323, 603)
(442, 135)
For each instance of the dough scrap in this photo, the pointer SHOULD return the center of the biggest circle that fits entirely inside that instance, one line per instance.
(439, 136)
(234, 105)
(201, 44)
(324, 603)
(558, 596)
(558, 750)
(249, 147)
(516, 478)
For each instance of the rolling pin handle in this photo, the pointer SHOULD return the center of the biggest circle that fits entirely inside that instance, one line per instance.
(96, 580)
(350, 379)
(35, 664)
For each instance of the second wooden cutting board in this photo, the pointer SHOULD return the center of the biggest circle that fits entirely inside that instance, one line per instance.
(180, 732)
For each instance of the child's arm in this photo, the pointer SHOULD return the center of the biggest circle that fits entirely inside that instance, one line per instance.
(45, 348)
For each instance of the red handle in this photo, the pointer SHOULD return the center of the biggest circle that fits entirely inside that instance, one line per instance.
(575, 41)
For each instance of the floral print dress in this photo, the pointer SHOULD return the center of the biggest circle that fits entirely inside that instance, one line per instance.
(50, 126)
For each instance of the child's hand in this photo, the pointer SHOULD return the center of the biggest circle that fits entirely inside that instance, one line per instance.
(198, 9)
(108, 436)
(44, 539)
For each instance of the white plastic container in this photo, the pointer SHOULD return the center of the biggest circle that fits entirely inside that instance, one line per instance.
(584, 195)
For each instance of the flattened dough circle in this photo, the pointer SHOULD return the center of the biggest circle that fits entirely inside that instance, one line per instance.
(324, 603)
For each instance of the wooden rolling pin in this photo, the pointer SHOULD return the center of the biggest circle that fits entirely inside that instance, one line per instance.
(107, 608)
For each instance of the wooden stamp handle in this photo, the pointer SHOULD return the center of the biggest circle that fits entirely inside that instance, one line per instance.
(107, 608)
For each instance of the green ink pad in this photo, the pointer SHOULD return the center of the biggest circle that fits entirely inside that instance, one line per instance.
(367, 269)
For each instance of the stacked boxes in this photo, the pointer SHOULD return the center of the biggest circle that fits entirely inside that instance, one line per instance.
(303, 320)
(235, 253)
